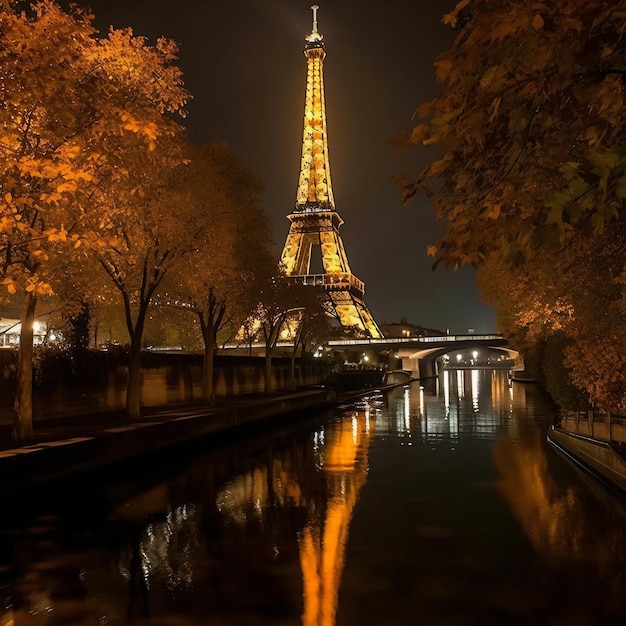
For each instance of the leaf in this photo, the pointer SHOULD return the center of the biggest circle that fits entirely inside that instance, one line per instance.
(592, 134)
(494, 108)
(605, 160)
(419, 133)
(556, 204)
(538, 22)
(9, 283)
(620, 187)
(424, 109)
(493, 78)
(443, 67)
(493, 211)
(452, 17)
(69, 186)
(569, 169)
(57, 234)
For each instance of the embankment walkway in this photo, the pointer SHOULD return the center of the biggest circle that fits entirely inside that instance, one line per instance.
(69, 445)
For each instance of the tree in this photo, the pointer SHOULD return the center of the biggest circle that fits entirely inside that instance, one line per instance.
(532, 125)
(312, 323)
(68, 98)
(287, 311)
(532, 175)
(277, 316)
(220, 280)
(160, 222)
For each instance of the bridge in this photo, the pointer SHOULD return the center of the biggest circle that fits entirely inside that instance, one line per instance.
(419, 354)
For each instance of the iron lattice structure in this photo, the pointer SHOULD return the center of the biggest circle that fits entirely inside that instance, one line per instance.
(314, 221)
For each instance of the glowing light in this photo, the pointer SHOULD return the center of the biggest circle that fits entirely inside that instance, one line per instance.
(407, 412)
(314, 221)
(475, 390)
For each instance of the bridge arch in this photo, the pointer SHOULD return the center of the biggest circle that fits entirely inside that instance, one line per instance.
(419, 354)
(423, 363)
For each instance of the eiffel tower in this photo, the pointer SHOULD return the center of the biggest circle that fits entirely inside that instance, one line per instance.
(314, 220)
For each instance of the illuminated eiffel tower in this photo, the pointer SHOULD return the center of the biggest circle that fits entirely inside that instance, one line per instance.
(314, 220)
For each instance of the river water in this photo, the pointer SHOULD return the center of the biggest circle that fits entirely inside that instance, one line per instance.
(441, 506)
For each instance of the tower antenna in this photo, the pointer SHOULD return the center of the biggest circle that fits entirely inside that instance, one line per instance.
(314, 8)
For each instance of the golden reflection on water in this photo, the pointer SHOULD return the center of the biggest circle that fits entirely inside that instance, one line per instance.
(323, 540)
(558, 521)
(278, 521)
(341, 456)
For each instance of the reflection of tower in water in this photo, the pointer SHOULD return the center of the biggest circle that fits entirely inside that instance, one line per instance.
(324, 538)
(318, 485)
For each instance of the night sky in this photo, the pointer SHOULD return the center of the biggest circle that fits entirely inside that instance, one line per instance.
(243, 63)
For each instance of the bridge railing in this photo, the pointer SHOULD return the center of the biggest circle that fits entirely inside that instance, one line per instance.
(413, 340)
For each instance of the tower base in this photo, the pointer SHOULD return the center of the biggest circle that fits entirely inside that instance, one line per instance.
(352, 313)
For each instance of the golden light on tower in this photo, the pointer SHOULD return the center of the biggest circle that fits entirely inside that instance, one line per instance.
(314, 221)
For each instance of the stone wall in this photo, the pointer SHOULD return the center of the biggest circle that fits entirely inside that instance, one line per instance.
(99, 384)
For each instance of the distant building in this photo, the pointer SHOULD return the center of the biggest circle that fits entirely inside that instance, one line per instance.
(405, 329)
(10, 333)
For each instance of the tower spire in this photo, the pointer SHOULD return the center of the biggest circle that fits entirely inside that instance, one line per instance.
(314, 188)
(314, 39)
(314, 8)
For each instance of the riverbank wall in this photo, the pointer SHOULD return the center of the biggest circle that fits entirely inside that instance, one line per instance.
(96, 382)
(600, 458)
(66, 447)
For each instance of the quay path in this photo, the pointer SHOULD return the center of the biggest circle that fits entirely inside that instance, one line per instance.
(69, 445)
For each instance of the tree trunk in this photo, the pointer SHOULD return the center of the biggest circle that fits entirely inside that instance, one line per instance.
(269, 381)
(271, 337)
(23, 406)
(209, 354)
(133, 391)
(296, 342)
(292, 370)
(210, 327)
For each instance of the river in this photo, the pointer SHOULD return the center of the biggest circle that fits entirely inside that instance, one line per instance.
(440, 506)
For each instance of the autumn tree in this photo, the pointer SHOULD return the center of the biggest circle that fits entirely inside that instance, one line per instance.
(277, 316)
(160, 221)
(531, 120)
(68, 97)
(531, 173)
(311, 323)
(220, 279)
(289, 312)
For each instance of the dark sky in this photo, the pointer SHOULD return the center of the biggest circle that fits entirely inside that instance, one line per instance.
(243, 63)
